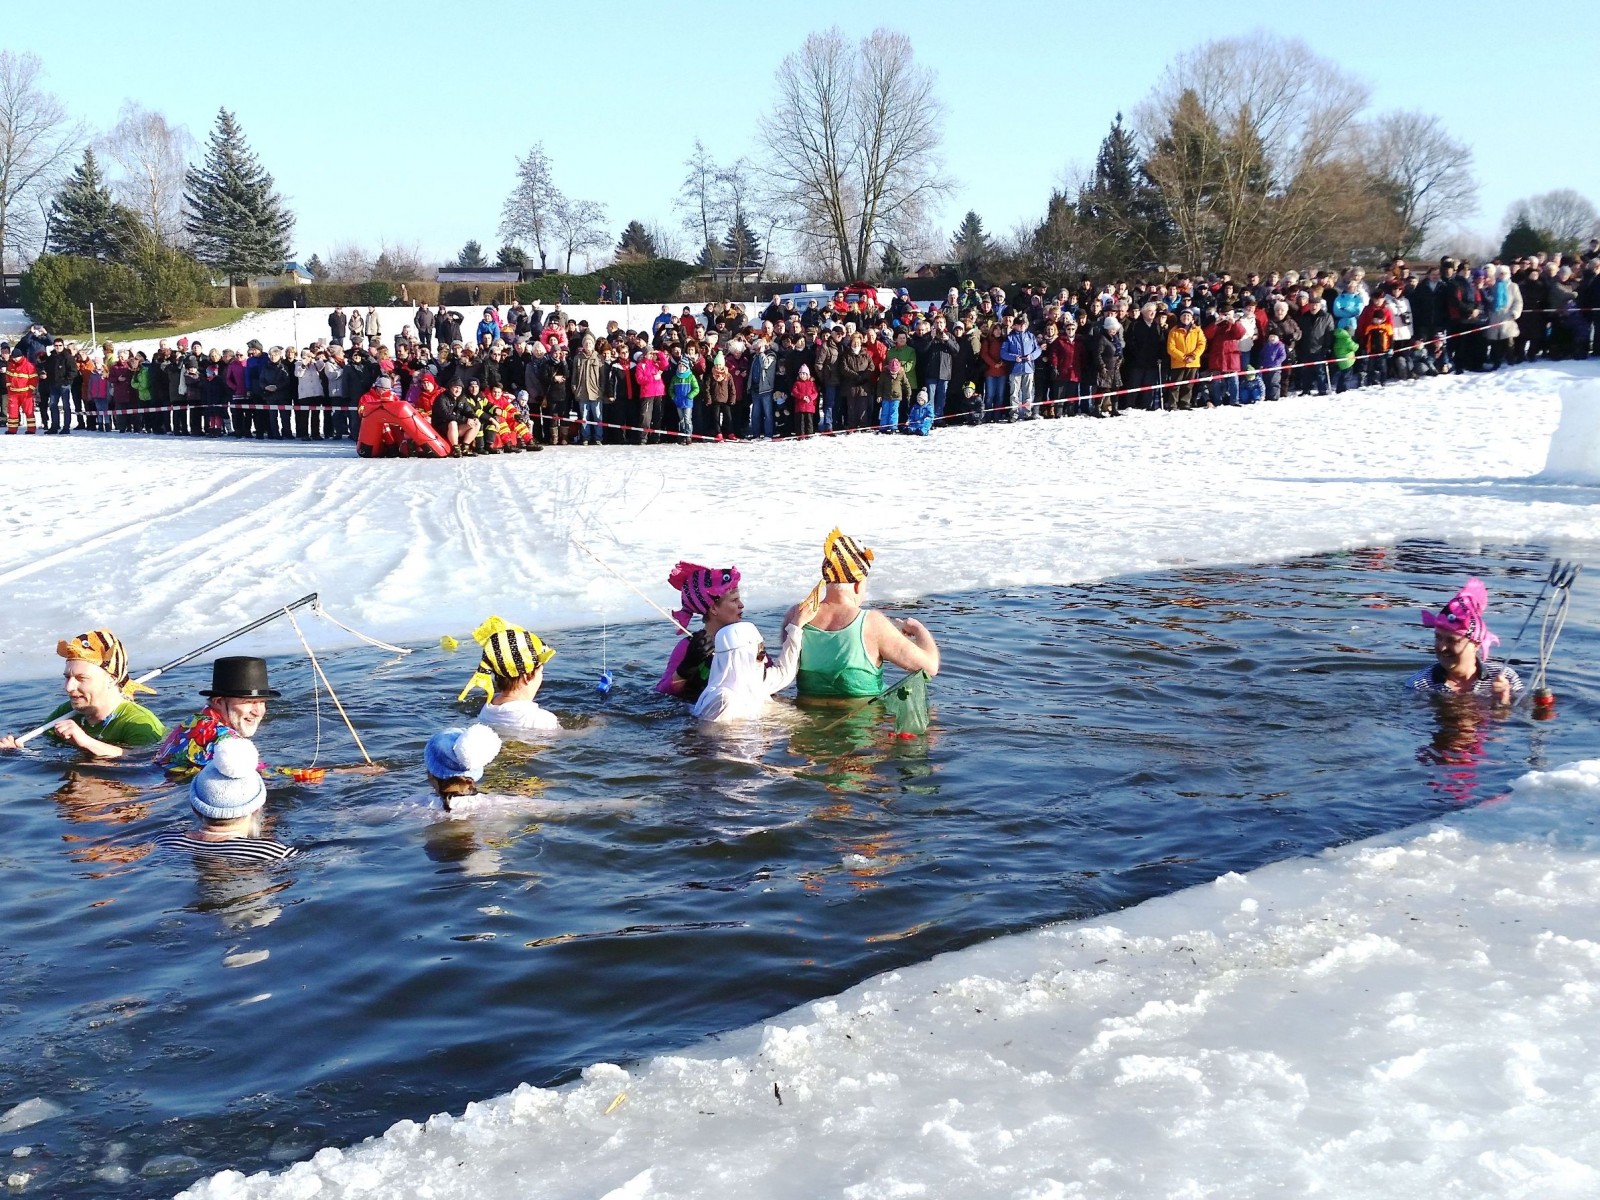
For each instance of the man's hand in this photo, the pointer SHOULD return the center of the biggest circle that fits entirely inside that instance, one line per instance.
(70, 731)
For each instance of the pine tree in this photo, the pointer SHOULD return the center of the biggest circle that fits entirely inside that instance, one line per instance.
(710, 257)
(510, 257)
(636, 242)
(471, 255)
(894, 266)
(969, 247)
(1523, 239)
(85, 221)
(316, 268)
(239, 224)
(1120, 211)
(741, 249)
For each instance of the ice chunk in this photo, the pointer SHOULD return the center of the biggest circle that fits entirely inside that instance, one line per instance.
(31, 1112)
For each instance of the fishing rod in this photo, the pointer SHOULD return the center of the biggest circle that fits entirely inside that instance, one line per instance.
(193, 654)
(675, 622)
(1562, 577)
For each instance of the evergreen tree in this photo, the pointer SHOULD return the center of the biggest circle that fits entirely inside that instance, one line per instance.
(239, 224)
(711, 257)
(1060, 241)
(741, 249)
(636, 242)
(511, 257)
(969, 247)
(471, 255)
(1523, 239)
(1122, 216)
(85, 221)
(894, 266)
(316, 268)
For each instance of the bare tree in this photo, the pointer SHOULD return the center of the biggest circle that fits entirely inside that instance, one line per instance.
(1241, 139)
(853, 143)
(154, 157)
(528, 214)
(665, 239)
(1424, 172)
(349, 262)
(701, 200)
(398, 260)
(37, 143)
(1569, 217)
(578, 226)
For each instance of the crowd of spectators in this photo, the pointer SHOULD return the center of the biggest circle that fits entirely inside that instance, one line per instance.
(523, 378)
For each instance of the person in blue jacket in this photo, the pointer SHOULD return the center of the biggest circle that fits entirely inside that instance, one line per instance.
(920, 419)
(1020, 350)
(1348, 305)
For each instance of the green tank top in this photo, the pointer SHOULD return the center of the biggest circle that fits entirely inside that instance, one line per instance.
(835, 663)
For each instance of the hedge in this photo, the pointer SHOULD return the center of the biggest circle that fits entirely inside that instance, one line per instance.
(646, 282)
(156, 283)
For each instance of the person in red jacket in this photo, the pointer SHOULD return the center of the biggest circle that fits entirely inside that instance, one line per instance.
(22, 392)
(1061, 352)
(1222, 357)
(1375, 336)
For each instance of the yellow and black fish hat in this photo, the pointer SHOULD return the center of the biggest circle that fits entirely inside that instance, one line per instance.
(844, 560)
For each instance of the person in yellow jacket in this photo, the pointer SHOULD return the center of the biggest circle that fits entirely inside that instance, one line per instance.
(1186, 348)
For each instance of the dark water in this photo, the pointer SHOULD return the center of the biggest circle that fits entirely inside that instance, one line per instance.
(1093, 747)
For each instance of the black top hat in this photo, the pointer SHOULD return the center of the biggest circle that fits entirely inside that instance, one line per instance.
(240, 679)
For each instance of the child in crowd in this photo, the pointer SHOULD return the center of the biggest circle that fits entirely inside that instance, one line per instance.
(803, 396)
(1345, 377)
(1273, 355)
(683, 387)
(920, 419)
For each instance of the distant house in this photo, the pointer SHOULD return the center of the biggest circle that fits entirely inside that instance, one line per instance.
(292, 275)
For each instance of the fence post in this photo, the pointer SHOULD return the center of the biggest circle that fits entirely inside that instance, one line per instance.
(92, 338)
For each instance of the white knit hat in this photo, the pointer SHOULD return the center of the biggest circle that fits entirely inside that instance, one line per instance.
(230, 785)
(461, 753)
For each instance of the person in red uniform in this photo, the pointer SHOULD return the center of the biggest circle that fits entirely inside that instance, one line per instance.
(22, 392)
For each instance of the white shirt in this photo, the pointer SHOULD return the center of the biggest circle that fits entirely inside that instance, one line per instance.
(519, 719)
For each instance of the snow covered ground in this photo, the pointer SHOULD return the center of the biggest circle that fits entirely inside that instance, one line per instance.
(1413, 1013)
(169, 540)
(1410, 1016)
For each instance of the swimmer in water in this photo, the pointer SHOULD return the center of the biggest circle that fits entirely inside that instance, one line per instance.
(743, 680)
(511, 670)
(99, 716)
(236, 704)
(713, 594)
(1461, 645)
(455, 760)
(227, 795)
(845, 645)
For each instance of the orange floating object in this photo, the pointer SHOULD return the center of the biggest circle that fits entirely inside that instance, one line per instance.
(306, 774)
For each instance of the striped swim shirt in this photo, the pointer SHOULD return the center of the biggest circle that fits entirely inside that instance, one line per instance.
(244, 850)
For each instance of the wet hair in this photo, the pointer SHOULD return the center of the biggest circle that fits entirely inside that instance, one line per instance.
(453, 788)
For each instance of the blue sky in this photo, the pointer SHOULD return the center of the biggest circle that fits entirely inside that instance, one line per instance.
(391, 121)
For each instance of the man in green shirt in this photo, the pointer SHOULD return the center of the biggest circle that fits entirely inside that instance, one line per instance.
(98, 717)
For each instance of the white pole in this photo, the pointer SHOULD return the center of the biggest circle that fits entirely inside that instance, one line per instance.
(92, 337)
(295, 304)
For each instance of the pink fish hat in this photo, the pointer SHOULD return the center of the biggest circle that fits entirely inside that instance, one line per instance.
(1464, 616)
(700, 587)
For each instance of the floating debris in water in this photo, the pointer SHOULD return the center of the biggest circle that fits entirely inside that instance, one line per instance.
(31, 1112)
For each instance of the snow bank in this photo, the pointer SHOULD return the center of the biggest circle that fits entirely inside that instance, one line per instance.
(13, 321)
(1413, 1015)
(1575, 446)
(170, 541)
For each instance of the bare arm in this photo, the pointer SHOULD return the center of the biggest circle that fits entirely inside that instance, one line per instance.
(909, 646)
